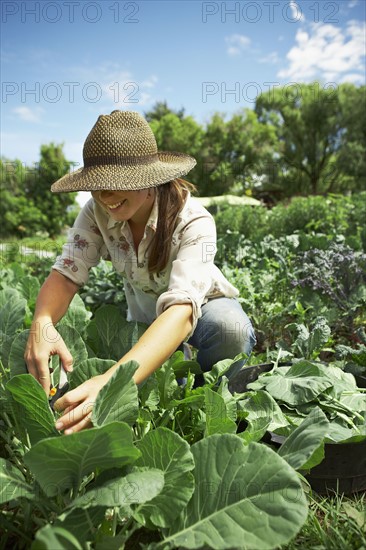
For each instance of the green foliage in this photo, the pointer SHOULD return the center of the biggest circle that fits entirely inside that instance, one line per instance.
(161, 109)
(351, 161)
(334, 522)
(314, 217)
(164, 459)
(182, 134)
(27, 204)
(235, 153)
(322, 145)
(338, 275)
(304, 387)
(20, 217)
(104, 286)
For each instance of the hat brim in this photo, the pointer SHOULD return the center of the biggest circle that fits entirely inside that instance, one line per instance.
(128, 178)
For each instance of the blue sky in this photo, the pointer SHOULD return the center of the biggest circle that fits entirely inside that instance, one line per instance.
(66, 62)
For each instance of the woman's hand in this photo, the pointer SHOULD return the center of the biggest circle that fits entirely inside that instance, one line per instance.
(44, 340)
(77, 405)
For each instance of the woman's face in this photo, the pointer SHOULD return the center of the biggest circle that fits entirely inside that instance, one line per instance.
(132, 206)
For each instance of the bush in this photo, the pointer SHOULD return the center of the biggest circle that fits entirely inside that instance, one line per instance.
(327, 215)
(249, 221)
(316, 219)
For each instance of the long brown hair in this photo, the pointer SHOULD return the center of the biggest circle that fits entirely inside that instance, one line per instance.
(171, 199)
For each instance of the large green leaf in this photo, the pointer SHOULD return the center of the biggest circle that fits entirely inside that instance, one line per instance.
(30, 409)
(245, 497)
(74, 343)
(72, 340)
(117, 400)
(85, 370)
(116, 335)
(139, 486)
(8, 295)
(261, 413)
(167, 451)
(12, 313)
(77, 316)
(12, 483)
(149, 393)
(70, 457)
(318, 336)
(300, 384)
(181, 367)
(230, 401)
(81, 523)
(217, 418)
(304, 448)
(16, 355)
(29, 288)
(339, 432)
(167, 385)
(341, 381)
(220, 368)
(55, 537)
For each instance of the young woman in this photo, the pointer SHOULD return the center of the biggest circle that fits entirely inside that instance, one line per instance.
(161, 240)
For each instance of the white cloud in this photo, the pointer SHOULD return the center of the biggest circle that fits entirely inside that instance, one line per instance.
(354, 78)
(352, 3)
(118, 86)
(150, 82)
(296, 12)
(236, 44)
(270, 58)
(145, 99)
(29, 115)
(326, 51)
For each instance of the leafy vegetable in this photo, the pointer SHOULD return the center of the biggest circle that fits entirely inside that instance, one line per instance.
(238, 493)
(299, 390)
(71, 458)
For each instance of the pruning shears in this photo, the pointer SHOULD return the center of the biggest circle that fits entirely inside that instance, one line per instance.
(60, 389)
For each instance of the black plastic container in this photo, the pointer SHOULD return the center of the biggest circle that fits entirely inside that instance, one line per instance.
(343, 469)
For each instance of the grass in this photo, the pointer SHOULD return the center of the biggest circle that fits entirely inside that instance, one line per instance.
(335, 522)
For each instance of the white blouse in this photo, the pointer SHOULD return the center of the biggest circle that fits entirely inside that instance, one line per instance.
(190, 275)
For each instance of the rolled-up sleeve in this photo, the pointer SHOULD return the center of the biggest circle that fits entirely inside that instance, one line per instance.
(83, 248)
(191, 273)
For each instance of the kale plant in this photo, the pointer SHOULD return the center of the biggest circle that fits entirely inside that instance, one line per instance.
(338, 277)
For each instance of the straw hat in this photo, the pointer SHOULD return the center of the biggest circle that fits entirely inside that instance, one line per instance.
(120, 153)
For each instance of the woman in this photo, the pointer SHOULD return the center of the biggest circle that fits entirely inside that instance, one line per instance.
(161, 241)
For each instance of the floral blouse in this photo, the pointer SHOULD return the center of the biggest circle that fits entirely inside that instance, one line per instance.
(190, 275)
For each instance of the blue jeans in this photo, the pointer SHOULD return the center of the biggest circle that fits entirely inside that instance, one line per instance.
(222, 332)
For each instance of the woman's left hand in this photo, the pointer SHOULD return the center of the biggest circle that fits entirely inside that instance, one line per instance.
(77, 405)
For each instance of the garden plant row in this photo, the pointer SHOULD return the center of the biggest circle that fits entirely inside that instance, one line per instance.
(172, 466)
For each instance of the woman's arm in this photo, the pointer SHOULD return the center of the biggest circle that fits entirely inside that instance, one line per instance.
(157, 343)
(52, 303)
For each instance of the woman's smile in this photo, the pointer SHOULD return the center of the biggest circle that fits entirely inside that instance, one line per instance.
(116, 205)
(131, 206)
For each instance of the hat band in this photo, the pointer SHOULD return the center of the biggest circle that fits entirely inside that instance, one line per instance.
(120, 160)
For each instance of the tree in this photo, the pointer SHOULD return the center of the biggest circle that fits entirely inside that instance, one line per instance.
(19, 217)
(183, 135)
(351, 160)
(55, 206)
(314, 131)
(27, 204)
(161, 109)
(235, 153)
(13, 175)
